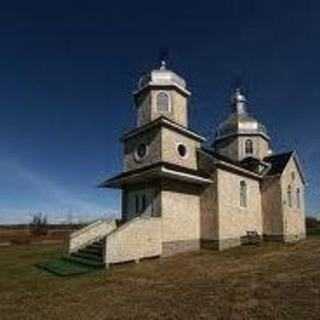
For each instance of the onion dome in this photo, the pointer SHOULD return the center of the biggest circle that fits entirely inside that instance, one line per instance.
(239, 122)
(162, 77)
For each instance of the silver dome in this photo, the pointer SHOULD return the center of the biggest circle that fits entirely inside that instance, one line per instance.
(239, 122)
(162, 77)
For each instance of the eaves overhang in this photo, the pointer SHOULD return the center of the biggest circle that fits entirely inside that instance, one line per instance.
(152, 173)
(164, 85)
(236, 169)
(163, 121)
(241, 133)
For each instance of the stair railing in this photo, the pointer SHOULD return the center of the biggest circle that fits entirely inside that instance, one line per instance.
(89, 234)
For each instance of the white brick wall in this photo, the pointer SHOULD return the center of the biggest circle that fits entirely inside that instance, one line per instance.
(180, 215)
(139, 238)
(293, 217)
(234, 220)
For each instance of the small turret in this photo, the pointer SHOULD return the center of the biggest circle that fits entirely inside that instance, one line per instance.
(241, 135)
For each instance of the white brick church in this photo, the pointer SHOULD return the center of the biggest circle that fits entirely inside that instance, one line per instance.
(178, 195)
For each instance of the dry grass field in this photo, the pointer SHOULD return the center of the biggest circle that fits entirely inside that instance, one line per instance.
(273, 281)
(24, 236)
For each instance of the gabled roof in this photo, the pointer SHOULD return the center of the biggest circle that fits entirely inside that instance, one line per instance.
(278, 162)
(270, 166)
(219, 156)
(231, 165)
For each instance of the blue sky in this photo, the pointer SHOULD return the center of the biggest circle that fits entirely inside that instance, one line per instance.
(67, 71)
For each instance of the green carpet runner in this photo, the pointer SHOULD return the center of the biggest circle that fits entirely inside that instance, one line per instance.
(64, 267)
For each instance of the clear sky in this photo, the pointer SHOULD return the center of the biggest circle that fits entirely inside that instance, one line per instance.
(67, 71)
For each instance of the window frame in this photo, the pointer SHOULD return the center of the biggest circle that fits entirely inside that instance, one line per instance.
(298, 198)
(248, 147)
(186, 150)
(289, 196)
(136, 155)
(169, 101)
(243, 194)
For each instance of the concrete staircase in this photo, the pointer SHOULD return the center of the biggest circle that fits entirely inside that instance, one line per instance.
(87, 245)
(106, 242)
(91, 255)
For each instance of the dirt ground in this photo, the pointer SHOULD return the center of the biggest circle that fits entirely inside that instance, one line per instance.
(273, 281)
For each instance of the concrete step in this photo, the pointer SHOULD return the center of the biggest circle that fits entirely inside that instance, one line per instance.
(83, 261)
(97, 251)
(87, 256)
(99, 242)
(92, 255)
(96, 245)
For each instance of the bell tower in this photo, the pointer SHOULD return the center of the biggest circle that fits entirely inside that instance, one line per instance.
(161, 133)
(161, 93)
(160, 155)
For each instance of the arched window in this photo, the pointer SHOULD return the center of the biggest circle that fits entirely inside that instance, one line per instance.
(289, 195)
(163, 102)
(298, 198)
(243, 194)
(249, 146)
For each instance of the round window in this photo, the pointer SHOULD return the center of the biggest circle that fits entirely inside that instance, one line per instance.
(140, 151)
(182, 150)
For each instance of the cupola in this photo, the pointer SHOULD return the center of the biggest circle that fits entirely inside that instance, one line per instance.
(162, 93)
(241, 135)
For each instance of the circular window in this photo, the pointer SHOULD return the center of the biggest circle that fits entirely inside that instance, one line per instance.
(182, 150)
(140, 152)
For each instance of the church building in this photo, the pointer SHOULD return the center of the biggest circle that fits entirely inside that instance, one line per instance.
(181, 192)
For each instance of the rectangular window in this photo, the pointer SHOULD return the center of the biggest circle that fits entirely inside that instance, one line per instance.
(289, 196)
(298, 199)
(144, 203)
(243, 194)
(137, 203)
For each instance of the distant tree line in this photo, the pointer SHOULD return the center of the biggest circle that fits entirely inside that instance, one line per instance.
(39, 225)
(312, 223)
(50, 226)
